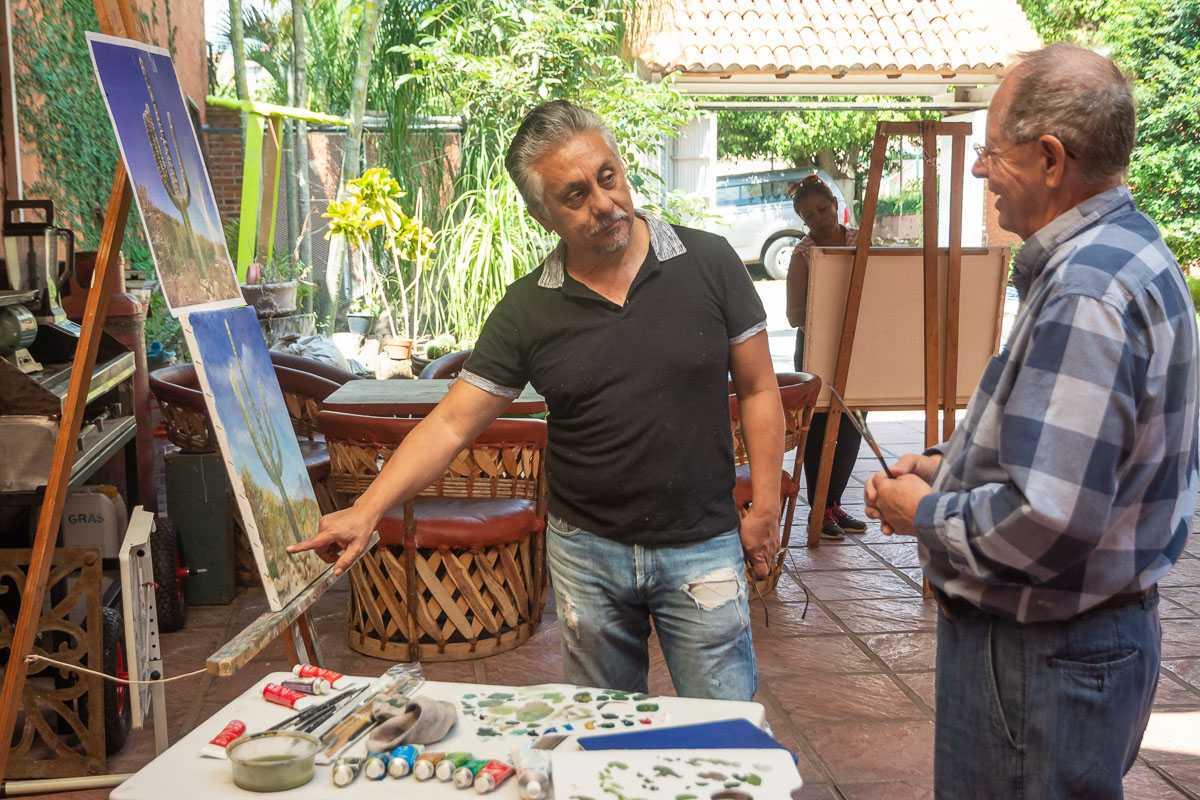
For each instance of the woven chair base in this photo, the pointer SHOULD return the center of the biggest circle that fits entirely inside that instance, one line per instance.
(466, 604)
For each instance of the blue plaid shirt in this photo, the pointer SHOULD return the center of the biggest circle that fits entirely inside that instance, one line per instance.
(1073, 477)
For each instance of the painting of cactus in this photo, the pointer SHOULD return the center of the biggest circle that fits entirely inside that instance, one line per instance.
(262, 457)
(170, 182)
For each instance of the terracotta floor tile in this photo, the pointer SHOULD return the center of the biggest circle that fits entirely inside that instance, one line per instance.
(898, 554)
(1187, 596)
(883, 616)
(826, 558)
(786, 620)
(1181, 638)
(827, 697)
(876, 536)
(892, 790)
(815, 791)
(1143, 783)
(1173, 693)
(1185, 573)
(923, 684)
(875, 751)
(1170, 609)
(904, 652)
(914, 574)
(1186, 668)
(791, 659)
(857, 585)
(1183, 770)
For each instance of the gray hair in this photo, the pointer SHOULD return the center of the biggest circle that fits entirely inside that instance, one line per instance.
(543, 128)
(1080, 97)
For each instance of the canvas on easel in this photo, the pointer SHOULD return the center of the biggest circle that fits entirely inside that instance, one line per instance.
(263, 459)
(170, 183)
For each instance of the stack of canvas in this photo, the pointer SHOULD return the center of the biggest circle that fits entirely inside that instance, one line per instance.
(179, 216)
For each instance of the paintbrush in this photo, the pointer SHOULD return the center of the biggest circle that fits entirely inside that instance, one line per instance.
(860, 425)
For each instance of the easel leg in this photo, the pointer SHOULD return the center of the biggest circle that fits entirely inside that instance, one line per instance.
(299, 641)
(308, 633)
(158, 696)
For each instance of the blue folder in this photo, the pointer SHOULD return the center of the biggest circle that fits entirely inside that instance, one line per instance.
(732, 734)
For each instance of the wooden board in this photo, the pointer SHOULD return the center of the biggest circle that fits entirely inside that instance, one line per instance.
(887, 371)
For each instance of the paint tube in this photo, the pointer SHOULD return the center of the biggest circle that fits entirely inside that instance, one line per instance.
(491, 776)
(464, 776)
(447, 766)
(403, 758)
(345, 770)
(314, 686)
(426, 766)
(376, 766)
(274, 693)
(216, 745)
(336, 679)
(533, 773)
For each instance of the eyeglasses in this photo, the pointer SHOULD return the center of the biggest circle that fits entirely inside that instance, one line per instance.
(985, 153)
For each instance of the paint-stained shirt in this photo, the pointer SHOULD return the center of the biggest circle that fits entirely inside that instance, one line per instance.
(640, 446)
(1074, 475)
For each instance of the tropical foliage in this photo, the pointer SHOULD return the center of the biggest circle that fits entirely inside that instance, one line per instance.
(1158, 43)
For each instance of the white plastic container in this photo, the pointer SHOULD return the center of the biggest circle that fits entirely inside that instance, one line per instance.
(95, 516)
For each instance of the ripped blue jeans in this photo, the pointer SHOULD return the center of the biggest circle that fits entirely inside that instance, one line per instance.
(607, 593)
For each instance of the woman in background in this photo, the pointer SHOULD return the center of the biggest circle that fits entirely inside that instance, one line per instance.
(816, 204)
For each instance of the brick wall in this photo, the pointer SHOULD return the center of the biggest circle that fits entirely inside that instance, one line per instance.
(223, 153)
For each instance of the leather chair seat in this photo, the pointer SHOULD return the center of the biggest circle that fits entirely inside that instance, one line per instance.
(743, 491)
(462, 524)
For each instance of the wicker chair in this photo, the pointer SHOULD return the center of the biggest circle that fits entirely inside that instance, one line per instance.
(460, 571)
(448, 366)
(313, 367)
(185, 417)
(798, 392)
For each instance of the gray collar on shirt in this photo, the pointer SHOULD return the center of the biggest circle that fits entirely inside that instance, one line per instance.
(663, 239)
(1038, 249)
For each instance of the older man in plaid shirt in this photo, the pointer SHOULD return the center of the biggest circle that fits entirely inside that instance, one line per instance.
(1069, 491)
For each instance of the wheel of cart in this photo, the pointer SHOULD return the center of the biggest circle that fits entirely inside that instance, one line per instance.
(118, 717)
(169, 576)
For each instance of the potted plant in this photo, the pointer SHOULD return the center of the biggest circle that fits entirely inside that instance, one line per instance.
(379, 232)
(271, 286)
(360, 319)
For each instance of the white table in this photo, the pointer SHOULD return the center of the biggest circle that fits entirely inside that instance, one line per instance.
(181, 773)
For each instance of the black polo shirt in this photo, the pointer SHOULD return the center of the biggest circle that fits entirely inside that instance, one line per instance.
(640, 448)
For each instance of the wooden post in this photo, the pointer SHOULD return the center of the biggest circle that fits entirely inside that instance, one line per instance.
(929, 213)
(116, 17)
(849, 323)
(104, 283)
(958, 147)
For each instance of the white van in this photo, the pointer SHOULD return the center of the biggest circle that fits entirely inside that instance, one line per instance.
(758, 219)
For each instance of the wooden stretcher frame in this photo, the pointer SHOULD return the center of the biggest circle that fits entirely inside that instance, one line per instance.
(936, 371)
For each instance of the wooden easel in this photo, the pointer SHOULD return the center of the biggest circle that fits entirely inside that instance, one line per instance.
(928, 130)
(294, 624)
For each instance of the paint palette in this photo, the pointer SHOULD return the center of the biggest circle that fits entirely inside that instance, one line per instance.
(675, 775)
(558, 708)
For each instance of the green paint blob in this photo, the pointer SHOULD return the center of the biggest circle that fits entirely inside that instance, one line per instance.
(685, 797)
(534, 711)
(647, 707)
(750, 778)
(664, 772)
(582, 697)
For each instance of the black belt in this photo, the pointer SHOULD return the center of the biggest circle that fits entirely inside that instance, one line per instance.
(957, 607)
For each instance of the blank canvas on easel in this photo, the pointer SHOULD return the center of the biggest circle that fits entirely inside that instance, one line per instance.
(887, 370)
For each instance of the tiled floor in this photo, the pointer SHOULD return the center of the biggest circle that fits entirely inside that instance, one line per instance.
(847, 685)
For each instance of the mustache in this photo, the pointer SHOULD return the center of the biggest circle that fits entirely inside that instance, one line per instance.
(604, 222)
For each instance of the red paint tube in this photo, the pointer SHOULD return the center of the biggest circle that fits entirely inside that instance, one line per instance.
(491, 776)
(336, 679)
(216, 746)
(279, 695)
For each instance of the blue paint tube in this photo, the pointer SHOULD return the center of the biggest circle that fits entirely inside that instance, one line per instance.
(403, 758)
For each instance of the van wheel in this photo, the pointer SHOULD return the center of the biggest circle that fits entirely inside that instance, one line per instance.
(779, 256)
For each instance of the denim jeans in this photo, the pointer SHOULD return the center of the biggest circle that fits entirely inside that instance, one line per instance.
(1047, 710)
(607, 593)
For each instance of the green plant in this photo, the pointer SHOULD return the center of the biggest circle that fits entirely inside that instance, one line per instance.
(371, 221)
(163, 328)
(1194, 287)
(907, 202)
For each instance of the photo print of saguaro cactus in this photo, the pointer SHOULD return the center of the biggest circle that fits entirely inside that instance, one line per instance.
(263, 459)
(170, 182)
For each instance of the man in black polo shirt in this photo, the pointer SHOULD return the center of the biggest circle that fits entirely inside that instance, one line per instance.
(630, 329)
